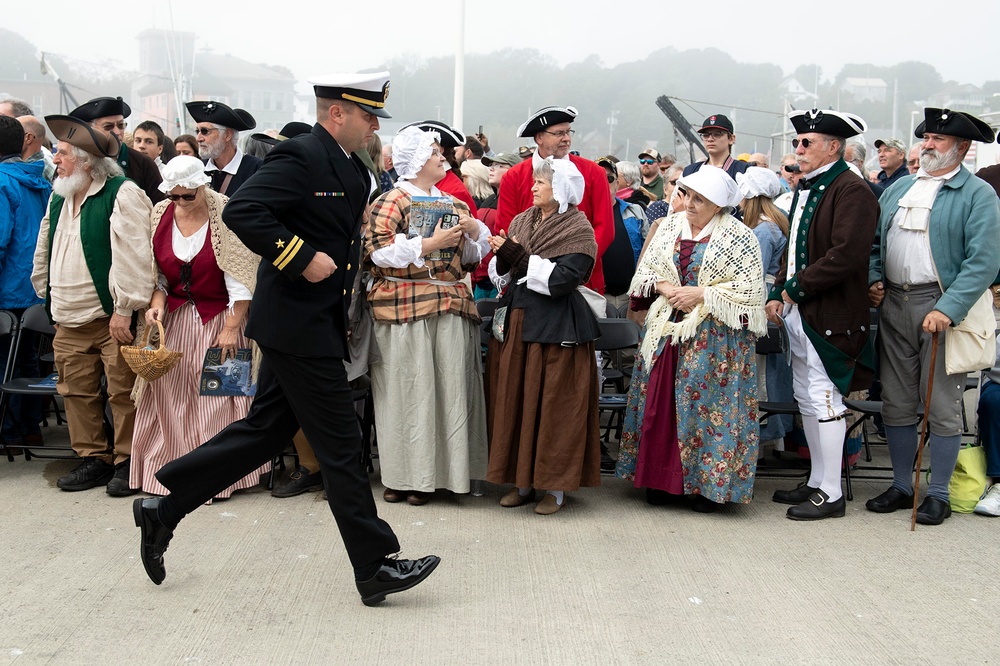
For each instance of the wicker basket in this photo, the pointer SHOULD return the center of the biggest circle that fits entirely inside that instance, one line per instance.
(148, 363)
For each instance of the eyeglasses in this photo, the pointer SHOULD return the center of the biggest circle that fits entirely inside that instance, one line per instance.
(107, 127)
(186, 197)
(205, 130)
(717, 134)
(805, 142)
(561, 135)
(674, 181)
(647, 161)
(753, 163)
(611, 178)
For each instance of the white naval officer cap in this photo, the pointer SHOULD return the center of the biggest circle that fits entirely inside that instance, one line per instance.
(368, 90)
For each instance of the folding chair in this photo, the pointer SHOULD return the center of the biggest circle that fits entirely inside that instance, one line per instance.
(616, 335)
(34, 320)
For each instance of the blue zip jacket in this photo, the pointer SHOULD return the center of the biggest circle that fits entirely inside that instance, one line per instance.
(24, 193)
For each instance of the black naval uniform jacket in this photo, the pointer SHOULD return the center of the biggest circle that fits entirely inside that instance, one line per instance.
(308, 196)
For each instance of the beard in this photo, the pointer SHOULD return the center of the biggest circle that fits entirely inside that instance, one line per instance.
(209, 151)
(69, 186)
(932, 160)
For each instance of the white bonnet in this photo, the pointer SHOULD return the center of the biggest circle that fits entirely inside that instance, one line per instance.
(411, 148)
(714, 184)
(567, 183)
(758, 181)
(184, 171)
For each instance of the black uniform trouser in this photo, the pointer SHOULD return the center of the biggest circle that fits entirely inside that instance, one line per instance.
(293, 391)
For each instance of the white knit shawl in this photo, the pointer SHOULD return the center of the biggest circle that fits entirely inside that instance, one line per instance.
(732, 274)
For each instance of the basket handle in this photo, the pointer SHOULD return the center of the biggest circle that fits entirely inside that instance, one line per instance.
(145, 335)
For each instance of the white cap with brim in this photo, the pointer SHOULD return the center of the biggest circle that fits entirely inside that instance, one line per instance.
(714, 184)
(369, 90)
(184, 171)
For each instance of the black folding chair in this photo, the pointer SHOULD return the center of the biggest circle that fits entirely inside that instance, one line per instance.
(616, 335)
(34, 320)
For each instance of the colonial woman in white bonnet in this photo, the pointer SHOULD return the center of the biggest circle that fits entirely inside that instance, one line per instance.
(430, 412)
(542, 377)
(205, 279)
(691, 422)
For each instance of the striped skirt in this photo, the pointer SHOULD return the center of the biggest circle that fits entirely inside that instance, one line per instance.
(171, 419)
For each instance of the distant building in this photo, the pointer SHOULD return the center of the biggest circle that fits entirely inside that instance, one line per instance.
(960, 97)
(794, 91)
(173, 73)
(865, 90)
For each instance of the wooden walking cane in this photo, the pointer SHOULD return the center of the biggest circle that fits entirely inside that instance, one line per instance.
(923, 429)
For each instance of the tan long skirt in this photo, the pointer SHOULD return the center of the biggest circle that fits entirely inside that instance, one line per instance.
(542, 408)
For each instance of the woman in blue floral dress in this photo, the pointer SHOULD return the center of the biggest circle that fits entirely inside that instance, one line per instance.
(691, 421)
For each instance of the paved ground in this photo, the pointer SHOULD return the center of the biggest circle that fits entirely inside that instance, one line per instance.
(257, 580)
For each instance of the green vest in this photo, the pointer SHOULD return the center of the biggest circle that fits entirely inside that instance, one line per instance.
(95, 235)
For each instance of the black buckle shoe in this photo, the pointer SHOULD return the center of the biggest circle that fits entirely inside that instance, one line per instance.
(933, 511)
(796, 495)
(889, 501)
(395, 576)
(118, 485)
(155, 537)
(818, 507)
(299, 481)
(90, 473)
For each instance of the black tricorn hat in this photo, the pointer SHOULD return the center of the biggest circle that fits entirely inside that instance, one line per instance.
(835, 123)
(546, 117)
(79, 133)
(101, 107)
(954, 123)
(289, 131)
(220, 114)
(450, 137)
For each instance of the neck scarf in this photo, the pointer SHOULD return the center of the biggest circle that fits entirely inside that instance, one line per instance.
(732, 274)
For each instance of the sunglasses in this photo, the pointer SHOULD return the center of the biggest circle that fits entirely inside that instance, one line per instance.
(674, 181)
(805, 142)
(647, 161)
(790, 168)
(186, 197)
(205, 130)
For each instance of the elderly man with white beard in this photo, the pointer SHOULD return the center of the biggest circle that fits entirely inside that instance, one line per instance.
(936, 252)
(218, 133)
(92, 266)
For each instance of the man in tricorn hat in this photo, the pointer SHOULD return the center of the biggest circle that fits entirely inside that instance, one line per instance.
(107, 115)
(92, 266)
(218, 132)
(550, 128)
(937, 252)
(302, 213)
(820, 296)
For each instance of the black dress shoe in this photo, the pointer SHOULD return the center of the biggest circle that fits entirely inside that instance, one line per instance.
(889, 501)
(656, 497)
(299, 481)
(933, 511)
(90, 473)
(797, 495)
(818, 507)
(395, 576)
(155, 537)
(702, 504)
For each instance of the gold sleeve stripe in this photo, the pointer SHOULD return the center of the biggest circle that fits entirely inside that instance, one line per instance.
(293, 249)
(288, 248)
